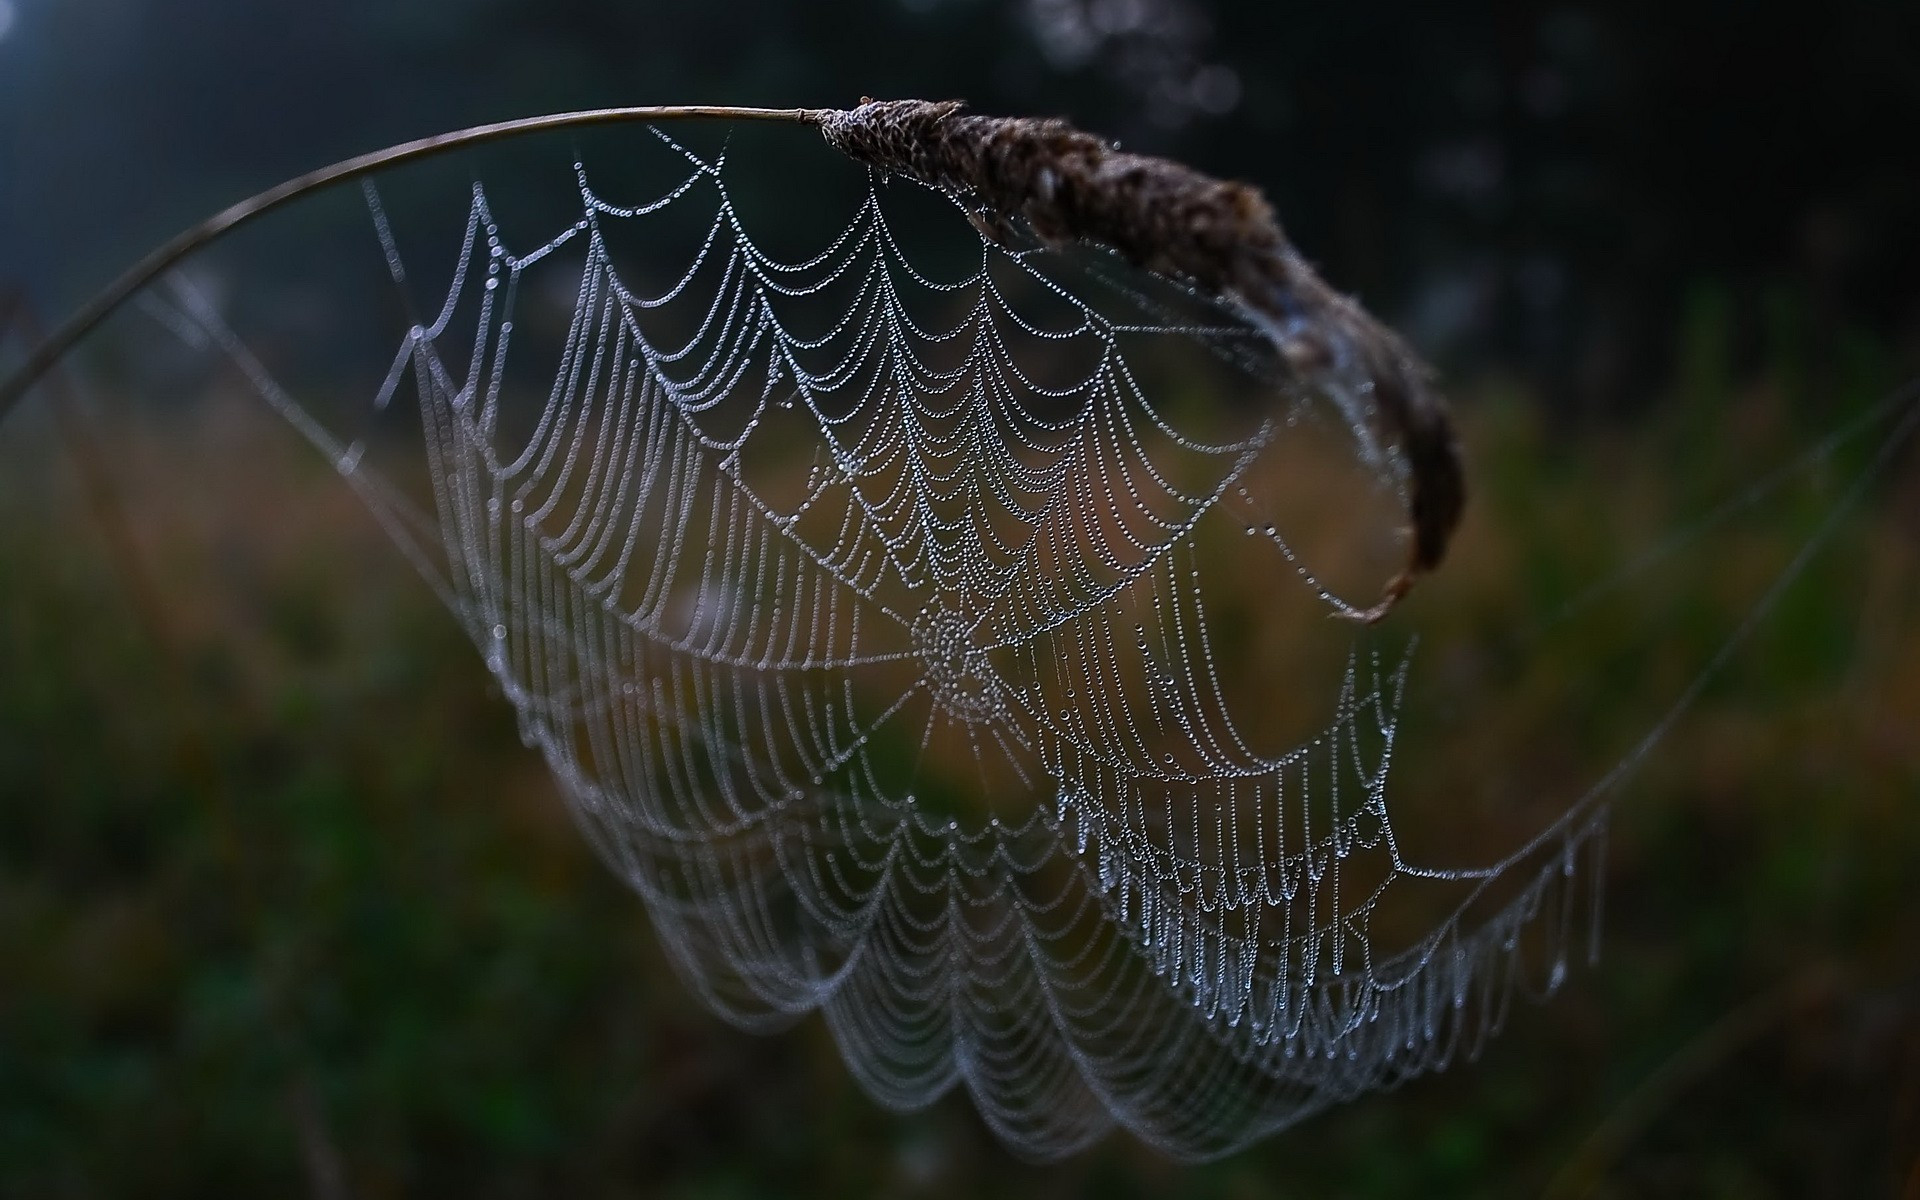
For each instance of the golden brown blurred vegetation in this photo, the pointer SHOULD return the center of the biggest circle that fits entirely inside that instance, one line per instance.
(286, 908)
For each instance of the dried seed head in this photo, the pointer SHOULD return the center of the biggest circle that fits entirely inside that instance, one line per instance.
(1221, 236)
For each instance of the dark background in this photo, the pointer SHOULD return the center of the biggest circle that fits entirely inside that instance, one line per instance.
(285, 908)
(1543, 187)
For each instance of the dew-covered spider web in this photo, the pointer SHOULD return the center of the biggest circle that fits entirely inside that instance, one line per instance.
(930, 625)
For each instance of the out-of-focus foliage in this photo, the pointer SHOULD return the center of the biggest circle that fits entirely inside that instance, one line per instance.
(285, 904)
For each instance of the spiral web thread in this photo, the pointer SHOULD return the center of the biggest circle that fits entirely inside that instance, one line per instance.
(927, 732)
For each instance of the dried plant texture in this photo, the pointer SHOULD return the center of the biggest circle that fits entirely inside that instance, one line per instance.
(1220, 235)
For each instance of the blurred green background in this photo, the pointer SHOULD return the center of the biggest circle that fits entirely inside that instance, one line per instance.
(287, 909)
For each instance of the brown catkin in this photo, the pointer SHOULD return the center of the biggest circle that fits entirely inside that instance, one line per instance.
(1069, 186)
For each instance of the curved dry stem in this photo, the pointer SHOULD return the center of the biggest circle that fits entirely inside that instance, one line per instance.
(104, 304)
(1221, 236)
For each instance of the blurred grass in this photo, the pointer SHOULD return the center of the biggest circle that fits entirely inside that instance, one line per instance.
(286, 908)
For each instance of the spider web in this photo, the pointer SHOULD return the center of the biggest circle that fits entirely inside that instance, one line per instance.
(876, 622)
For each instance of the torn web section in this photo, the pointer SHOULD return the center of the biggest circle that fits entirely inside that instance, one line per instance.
(1693, 646)
(328, 337)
